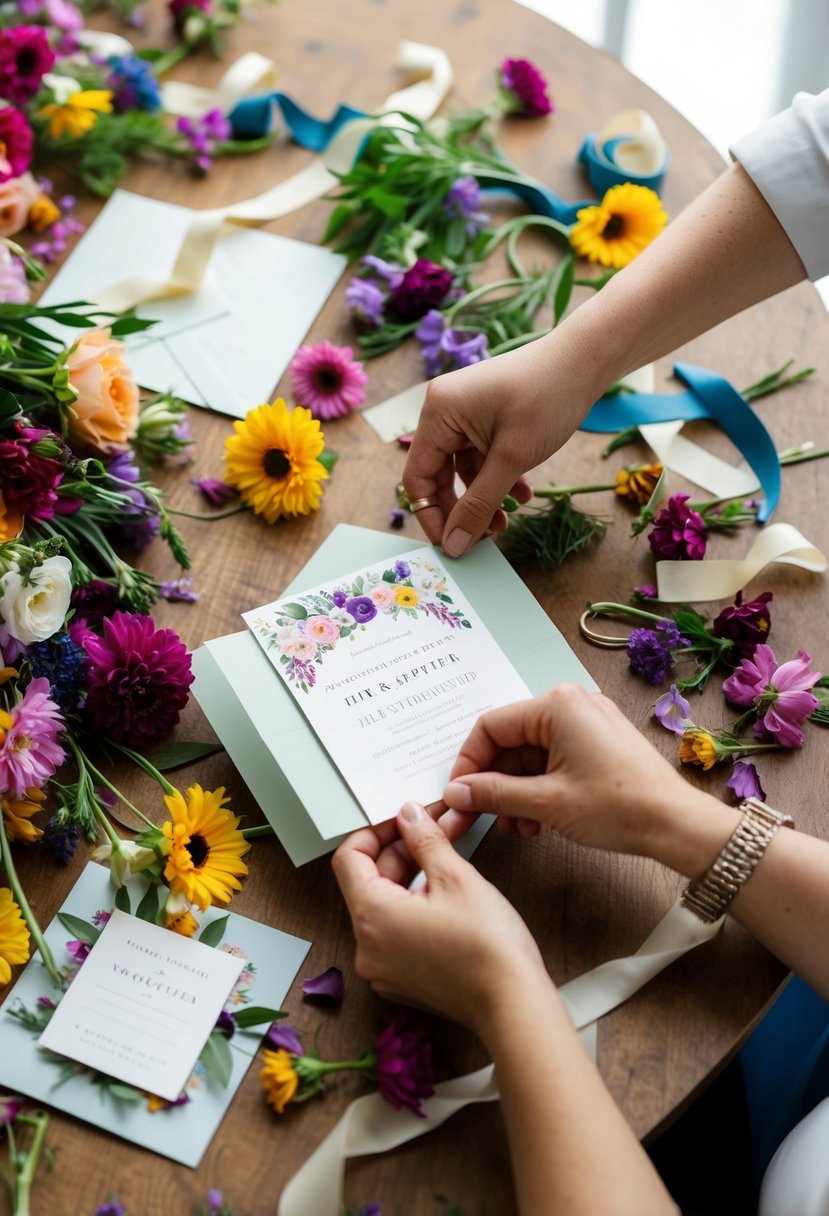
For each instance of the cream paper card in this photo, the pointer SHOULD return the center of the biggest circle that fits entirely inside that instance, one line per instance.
(142, 1006)
(392, 666)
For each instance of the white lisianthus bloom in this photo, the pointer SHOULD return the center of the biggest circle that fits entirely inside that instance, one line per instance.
(34, 609)
(125, 859)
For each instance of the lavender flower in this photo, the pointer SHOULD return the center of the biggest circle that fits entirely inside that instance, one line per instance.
(216, 491)
(651, 651)
(397, 517)
(673, 711)
(463, 200)
(361, 608)
(203, 135)
(329, 985)
(745, 782)
(283, 1036)
(444, 349)
(178, 590)
(366, 300)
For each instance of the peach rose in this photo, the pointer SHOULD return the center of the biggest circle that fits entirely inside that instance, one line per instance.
(16, 197)
(105, 414)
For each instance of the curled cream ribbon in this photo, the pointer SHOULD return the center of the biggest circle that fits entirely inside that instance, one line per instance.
(250, 74)
(644, 151)
(370, 1126)
(420, 99)
(720, 579)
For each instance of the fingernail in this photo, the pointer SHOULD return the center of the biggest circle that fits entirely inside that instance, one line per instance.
(457, 542)
(410, 812)
(458, 795)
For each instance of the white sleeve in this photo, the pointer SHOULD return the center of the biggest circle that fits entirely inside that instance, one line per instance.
(796, 1182)
(787, 158)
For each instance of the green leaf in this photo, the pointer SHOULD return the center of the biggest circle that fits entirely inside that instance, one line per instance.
(328, 458)
(83, 931)
(180, 753)
(820, 717)
(337, 220)
(295, 611)
(148, 907)
(124, 1093)
(563, 290)
(122, 900)
(217, 1059)
(213, 933)
(255, 1015)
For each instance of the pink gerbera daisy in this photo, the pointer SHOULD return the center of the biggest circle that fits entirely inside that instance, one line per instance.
(29, 751)
(326, 380)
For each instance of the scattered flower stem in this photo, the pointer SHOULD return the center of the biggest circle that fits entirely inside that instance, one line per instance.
(39, 940)
(216, 515)
(25, 1163)
(148, 768)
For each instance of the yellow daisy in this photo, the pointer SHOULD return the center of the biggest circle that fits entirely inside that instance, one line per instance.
(406, 597)
(272, 460)
(14, 936)
(78, 114)
(621, 226)
(698, 747)
(43, 213)
(204, 862)
(637, 484)
(279, 1078)
(17, 816)
(184, 923)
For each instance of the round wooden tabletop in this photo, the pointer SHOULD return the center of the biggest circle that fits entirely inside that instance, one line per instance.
(584, 906)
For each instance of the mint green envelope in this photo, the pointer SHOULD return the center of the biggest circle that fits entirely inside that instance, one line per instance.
(284, 764)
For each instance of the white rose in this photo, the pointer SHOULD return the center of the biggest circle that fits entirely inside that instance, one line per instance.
(34, 610)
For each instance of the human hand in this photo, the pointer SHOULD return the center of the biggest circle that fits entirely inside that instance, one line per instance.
(456, 947)
(571, 760)
(489, 424)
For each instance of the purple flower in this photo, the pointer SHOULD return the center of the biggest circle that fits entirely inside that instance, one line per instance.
(138, 680)
(25, 56)
(10, 1108)
(225, 1024)
(61, 839)
(339, 597)
(178, 590)
(113, 1208)
(745, 782)
(14, 287)
(463, 199)
(651, 651)
(678, 534)
(92, 603)
(389, 271)
(366, 300)
(361, 608)
(329, 985)
(673, 711)
(79, 950)
(525, 89)
(140, 520)
(29, 751)
(133, 84)
(283, 1036)
(45, 1002)
(203, 134)
(780, 694)
(180, 10)
(301, 671)
(647, 591)
(421, 288)
(404, 1069)
(464, 347)
(216, 491)
(402, 569)
(445, 349)
(747, 625)
(397, 517)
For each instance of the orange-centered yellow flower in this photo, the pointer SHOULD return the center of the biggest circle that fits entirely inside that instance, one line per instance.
(699, 747)
(619, 227)
(637, 484)
(204, 861)
(78, 114)
(18, 813)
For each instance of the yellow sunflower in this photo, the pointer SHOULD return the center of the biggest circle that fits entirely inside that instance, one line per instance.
(698, 747)
(17, 816)
(272, 460)
(204, 861)
(406, 597)
(14, 936)
(78, 114)
(637, 484)
(621, 226)
(279, 1078)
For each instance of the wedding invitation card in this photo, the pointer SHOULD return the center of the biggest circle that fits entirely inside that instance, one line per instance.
(143, 1004)
(391, 665)
(254, 964)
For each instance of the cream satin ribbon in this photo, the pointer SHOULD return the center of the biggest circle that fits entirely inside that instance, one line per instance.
(644, 151)
(420, 99)
(248, 76)
(721, 579)
(369, 1125)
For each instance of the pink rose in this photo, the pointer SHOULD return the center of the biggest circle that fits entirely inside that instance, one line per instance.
(322, 629)
(16, 197)
(382, 597)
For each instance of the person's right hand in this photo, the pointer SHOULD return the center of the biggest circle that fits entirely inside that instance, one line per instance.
(571, 760)
(489, 424)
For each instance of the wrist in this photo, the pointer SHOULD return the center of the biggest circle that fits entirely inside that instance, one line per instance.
(524, 999)
(693, 832)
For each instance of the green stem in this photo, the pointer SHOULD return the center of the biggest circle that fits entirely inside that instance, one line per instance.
(84, 769)
(263, 829)
(31, 922)
(518, 340)
(217, 515)
(610, 609)
(25, 1178)
(559, 491)
(148, 768)
(96, 772)
(802, 457)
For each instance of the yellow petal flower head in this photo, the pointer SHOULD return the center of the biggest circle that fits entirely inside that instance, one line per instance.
(272, 460)
(184, 923)
(14, 936)
(638, 483)
(621, 226)
(699, 747)
(18, 813)
(279, 1078)
(77, 114)
(204, 862)
(406, 597)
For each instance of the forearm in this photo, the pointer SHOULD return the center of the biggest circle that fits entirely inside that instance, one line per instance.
(572, 1151)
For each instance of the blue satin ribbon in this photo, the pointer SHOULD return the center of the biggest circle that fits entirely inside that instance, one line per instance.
(603, 172)
(708, 396)
(252, 119)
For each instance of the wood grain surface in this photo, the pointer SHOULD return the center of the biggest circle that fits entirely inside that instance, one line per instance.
(583, 906)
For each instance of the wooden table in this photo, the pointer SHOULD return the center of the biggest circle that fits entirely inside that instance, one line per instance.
(584, 907)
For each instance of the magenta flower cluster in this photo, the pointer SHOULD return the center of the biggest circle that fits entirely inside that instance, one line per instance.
(17, 142)
(779, 694)
(679, 533)
(25, 57)
(525, 89)
(29, 479)
(203, 134)
(404, 1069)
(392, 293)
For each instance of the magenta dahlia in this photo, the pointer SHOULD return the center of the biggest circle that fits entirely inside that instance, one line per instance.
(16, 143)
(423, 287)
(403, 1066)
(28, 480)
(525, 89)
(679, 532)
(326, 380)
(137, 680)
(29, 751)
(25, 57)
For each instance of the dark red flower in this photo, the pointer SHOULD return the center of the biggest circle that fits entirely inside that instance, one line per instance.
(92, 603)
(16, 141)
(28, 480)
(137, 680)
(421, 288)
(526, 88)
(404, 1069)
(25, 56)
(745, 624)
(679, 534)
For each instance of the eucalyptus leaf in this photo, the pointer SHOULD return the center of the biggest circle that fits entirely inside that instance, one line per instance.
(216, 1058)
(213, 933)
(83, 931)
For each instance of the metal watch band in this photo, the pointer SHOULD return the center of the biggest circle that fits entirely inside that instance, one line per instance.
(709, 897)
